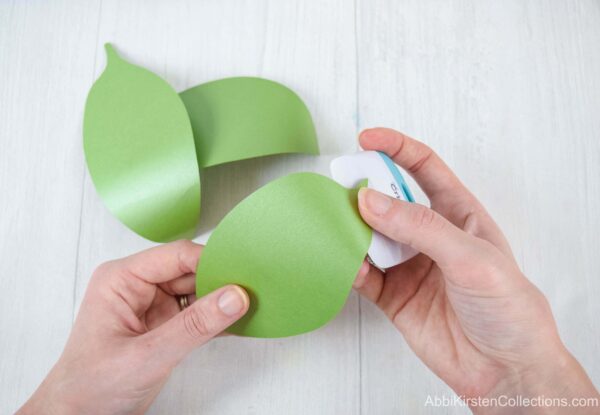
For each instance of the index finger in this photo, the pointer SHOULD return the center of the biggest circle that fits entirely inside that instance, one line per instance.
(164, 263)
(427, 168)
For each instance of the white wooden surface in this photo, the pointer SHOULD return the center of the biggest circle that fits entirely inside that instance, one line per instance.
(508, 92)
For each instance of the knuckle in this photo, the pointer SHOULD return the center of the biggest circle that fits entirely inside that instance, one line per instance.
(491, 270)
(423, 154)
(472, 223)
(104, 269)
(490, 265)
(476, 221)
(183, 244)
(425, 218)
(197, 322)
(106, 279)
(187, 255)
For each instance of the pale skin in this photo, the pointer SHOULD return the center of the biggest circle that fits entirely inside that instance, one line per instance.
(462, 305)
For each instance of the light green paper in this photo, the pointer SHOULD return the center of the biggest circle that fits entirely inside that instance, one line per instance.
(241, 118)
(296, 246)
(140, 152)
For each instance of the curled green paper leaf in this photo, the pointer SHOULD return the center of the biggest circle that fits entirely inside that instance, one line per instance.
(241, 118)
(140, 152)
(296, 246)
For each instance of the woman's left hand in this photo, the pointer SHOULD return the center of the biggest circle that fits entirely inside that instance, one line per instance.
(130, 333)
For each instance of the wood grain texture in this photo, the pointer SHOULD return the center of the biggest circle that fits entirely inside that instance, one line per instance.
(507, 92)
(46, 66)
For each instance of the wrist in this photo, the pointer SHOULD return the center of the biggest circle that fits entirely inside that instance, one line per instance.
(549, 386)
(50, 397)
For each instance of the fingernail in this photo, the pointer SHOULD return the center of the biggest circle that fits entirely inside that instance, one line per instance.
(232, 301)
(361, 277)
(374, 201)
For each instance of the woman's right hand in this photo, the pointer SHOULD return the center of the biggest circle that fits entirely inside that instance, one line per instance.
(463, 305)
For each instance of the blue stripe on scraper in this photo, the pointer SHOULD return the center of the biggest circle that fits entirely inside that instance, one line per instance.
(397, 176)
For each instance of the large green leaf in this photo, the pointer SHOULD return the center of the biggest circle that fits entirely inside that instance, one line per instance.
(295, 245)
(240, 118)
(140, 152)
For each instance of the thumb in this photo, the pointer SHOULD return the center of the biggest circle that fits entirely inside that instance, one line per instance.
(464, 258)
(204, 319)
(415, 225)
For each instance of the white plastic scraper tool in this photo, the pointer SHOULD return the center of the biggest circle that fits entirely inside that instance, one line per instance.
(383, 176)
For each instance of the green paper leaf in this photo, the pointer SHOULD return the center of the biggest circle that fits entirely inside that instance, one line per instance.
(140, 152)
(296, 246)
(240, 118)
